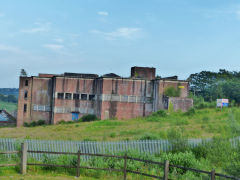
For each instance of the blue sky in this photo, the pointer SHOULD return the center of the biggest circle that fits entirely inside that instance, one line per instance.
(178, 37)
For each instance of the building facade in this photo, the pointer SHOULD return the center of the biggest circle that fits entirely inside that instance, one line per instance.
(69, 96)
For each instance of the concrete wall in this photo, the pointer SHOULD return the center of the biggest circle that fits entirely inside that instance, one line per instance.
(179, 103)
(143, 73)
(163, 84)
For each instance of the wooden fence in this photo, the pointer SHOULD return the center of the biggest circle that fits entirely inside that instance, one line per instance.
(124, 170)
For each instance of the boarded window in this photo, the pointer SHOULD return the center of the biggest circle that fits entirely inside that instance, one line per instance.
(60, 95)
(25, 108)
(83, 96)
(91, 97)
(26, 83)
(76, 96)
(68, 96)
(25, 94)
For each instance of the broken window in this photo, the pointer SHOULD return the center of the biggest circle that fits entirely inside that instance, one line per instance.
(25, 108)
(83, 96)
(26, 83)
(25, 94)
(91, 97)
(68, 96)
(60, 95)
(76, 96)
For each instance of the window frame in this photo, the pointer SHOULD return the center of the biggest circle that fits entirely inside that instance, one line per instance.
(60, 97)
(25, 108)
(92, 97)
(26, 82)
(68, 96)
(76, 95)
(84, 95)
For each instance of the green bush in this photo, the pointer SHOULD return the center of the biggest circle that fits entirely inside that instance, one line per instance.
(190, 112)
(185, 159)
(172, 92)
(232, 167)
(66, 122)
(89, 117)
(148, 136)
(35, 123)
(160, 113)
(177, 140)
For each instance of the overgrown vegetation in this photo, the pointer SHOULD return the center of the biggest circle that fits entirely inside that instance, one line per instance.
(196, 123)
(172, 92)
(35, 123)
(217, 154)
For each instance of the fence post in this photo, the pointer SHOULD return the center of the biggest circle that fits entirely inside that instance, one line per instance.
(24, 148)
(78, 163)
(213, 174)
(166, 170)
(125, 167)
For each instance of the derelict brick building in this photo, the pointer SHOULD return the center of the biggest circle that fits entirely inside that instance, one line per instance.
(67, 97)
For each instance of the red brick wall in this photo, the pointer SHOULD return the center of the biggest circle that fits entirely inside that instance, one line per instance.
(76, 85)
(128, 87)
(24, 116)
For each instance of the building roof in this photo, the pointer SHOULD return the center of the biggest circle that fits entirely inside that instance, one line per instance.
(6, 117)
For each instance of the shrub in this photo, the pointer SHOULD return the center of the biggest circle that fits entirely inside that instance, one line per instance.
(89, 117)
(190, 112)
(34, 123)
(41, 122)
(148, 136)
(233, 165)
(178, 141)
(172, 92)
(185, 159)
(160, 113)
(25, 124)
(113, 135)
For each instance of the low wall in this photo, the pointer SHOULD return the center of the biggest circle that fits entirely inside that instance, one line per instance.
(178, 103)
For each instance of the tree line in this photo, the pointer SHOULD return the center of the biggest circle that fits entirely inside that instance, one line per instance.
(216, 85)
(8, 98)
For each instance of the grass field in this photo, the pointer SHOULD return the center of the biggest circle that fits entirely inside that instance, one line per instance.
(202, 123)
(10, 107)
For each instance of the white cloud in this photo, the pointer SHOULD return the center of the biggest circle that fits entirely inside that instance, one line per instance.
(103, 13)
(39, 27)
(59, 40)
(11, 49)
(54, 47)
(123, 32)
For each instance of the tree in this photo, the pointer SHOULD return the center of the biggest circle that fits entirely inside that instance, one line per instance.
(23, 73)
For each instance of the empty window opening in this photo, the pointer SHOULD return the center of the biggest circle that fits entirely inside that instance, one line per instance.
(25, 108)
(76, 96)
(91, 97)
(26, 83)
(68, 96)
(60, 95)
(84, 96)
(25, 94)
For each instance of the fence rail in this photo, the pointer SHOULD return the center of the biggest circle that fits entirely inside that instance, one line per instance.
(10, 152)
(124, 170)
